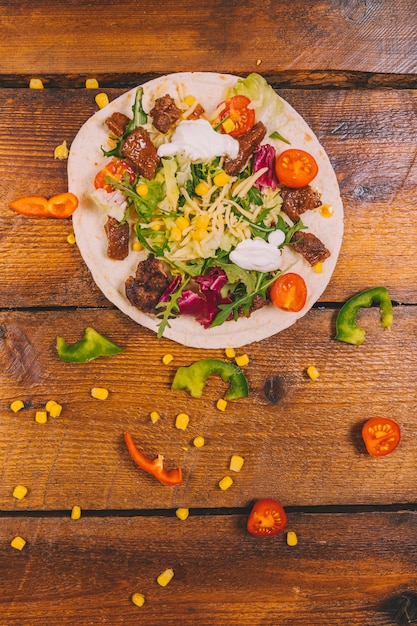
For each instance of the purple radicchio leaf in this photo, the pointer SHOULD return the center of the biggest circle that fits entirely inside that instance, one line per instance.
(204, 305)
(264, 156)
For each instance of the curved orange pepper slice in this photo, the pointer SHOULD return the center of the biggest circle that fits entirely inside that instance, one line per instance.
(60, 206)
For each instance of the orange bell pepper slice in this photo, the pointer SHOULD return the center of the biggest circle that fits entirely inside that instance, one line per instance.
(155, 467)
(60, 206)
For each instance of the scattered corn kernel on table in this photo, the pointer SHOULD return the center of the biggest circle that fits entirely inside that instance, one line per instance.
(85, 535)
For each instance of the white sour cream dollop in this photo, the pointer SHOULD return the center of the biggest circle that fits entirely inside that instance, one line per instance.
(197, 140)
(258, 254)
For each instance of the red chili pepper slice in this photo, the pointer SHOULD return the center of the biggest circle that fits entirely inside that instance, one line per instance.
(155, 467)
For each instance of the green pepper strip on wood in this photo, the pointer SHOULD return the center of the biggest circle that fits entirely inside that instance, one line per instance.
(346, 328)
(194, 377)
(91, 346)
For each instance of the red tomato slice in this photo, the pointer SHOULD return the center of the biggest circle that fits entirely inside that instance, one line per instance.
(237, 111)
(289, 292)
(266, 519)
(116, 168)
(381, 435)
(295, 168)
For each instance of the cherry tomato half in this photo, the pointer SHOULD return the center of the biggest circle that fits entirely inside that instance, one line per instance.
(266, 519)
(295, 168)
(237, 111)
(381, 435)
(289, 292)
(116, 168)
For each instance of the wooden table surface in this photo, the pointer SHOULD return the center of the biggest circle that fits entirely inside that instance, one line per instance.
(350, 68)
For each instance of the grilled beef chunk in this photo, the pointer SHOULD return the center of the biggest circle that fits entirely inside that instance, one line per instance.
(117, 239)
(247, 144)
(117, 123)
(141, 153)
(310, 247)
(164, 113)
(147, 286)
(257, 303)
(297, 201)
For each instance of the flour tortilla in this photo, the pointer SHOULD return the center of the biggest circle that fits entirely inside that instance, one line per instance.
(86, 159)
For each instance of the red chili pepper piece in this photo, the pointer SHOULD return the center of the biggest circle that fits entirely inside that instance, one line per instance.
(155, 467)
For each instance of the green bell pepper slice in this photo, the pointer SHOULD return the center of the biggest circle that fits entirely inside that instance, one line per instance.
(347, 329)
(194, 377)
(91, 346)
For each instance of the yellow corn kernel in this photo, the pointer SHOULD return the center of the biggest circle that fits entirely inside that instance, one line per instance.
(71, 239)
(258, 61)
(138, 599)
(221, 179)
(199, 234)
(154, 415)
(61, 152)
(182, 222)
(102, 100)
(167, 358)
(142, 189)
(189, 100)
(313, 372)
(236, 463)
(54, 409)
(166, 577)
(75, 512)
(225, 483)
(221, 404)
(228, 125)
(201, 221)
(35, 83)
(181, 421)
(156, 226)
(99, 393)
(198, 441)
(201, 188)
(91, 83)
(19, 492)
(176, 234)
(137, 246)
(318, 267)
(41, 417)
(18, 543)
(292, 538)
(182, 513)
(17, 405)
(242, 360)
(230, 353)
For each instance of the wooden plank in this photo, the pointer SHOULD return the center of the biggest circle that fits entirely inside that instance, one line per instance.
(368, 136)
(305, 449)
(372, 36)
(86, 571)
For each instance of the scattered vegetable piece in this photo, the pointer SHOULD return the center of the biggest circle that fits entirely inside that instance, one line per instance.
(242, 360)
(54, 409)
(182, 513)
(19, 492)
(289, 292)
(41, 417)
(60, 206)
(313, 372)
(226, 483)
(167, 358)
(138, 599)
(194, 377)
(154, 467)
(91, 346)
(346, 328)
(221, 404)
(17, 405)
(35, 83)
(236, 463)
(181, 421)
(166, 577)
(230, 353)
(267, 518)
(295, 168)
(102, 100)
(198, 441)
(18, 543)
(292, 538)
(99, 393)
(154, 415)
(236, 117)
(91, 83)
(75, 512)
(71, 239)
(61, 152)
(381, 435)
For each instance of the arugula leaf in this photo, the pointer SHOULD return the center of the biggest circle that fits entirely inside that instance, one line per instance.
(171, 308)
(277, 135)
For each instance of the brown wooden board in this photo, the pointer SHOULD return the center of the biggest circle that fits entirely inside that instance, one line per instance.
(304, 449)
(347, 569)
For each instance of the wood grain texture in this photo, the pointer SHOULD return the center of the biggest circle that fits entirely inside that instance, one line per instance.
(339, 574)
(305, 449)
(369, 137)
(54, 38)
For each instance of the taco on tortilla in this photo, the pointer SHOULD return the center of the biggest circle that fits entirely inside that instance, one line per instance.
(208, 210)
